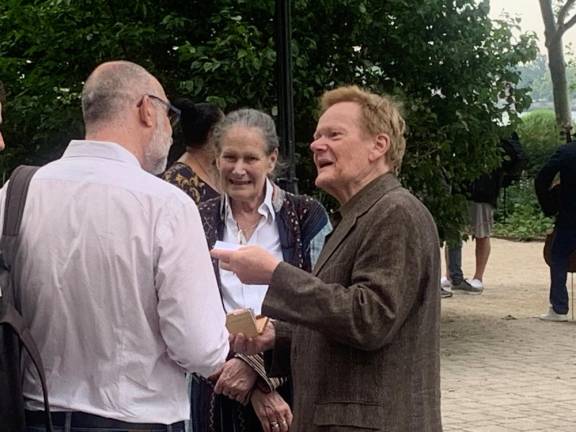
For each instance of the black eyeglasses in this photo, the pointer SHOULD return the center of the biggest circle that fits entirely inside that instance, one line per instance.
(173, 112)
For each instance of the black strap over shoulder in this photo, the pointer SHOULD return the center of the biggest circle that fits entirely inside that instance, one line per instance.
(9, 316)
(13, 210)
(16, 199)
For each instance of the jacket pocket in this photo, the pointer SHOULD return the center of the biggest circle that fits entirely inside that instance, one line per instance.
(363, 415)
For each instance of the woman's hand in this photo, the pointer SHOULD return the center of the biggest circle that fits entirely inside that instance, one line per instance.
(273, 412)
(235, 380)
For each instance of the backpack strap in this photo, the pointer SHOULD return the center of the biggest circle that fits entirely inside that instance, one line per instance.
(11, 317)
(13, 211)
(16, 199)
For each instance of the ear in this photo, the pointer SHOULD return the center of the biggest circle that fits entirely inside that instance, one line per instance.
(380, 147)
(272, 159)
(146, 112)
(217, 161)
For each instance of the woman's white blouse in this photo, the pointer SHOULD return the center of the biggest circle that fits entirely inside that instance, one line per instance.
(235, 294)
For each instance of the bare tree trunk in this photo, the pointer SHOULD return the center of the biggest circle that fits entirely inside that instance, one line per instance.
(559, 83)
(556, 64)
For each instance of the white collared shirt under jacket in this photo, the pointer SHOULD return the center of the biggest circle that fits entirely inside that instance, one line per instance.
(235, 294)
(117, 287)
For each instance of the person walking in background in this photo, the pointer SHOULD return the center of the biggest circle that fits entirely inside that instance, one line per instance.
(563, 162)
(361, 334)
(104, 270)
(194, 172)
(255, 211)
(484, 193)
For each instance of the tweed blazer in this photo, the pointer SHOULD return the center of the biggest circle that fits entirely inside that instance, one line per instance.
(364, 327)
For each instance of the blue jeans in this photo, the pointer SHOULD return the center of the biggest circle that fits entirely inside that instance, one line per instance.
(455, 263)
(563, 246)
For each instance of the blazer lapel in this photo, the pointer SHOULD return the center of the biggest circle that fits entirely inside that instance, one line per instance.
(358, 205)
(335, 238)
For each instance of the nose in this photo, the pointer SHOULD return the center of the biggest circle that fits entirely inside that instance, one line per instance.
(238, 168)
(317, 145)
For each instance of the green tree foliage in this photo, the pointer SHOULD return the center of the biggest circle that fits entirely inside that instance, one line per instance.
(444, 59)
(519, 215)
(540, 137)
(536, 75)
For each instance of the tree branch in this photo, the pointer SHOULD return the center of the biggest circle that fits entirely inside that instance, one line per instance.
(562, 30)
(564, 11)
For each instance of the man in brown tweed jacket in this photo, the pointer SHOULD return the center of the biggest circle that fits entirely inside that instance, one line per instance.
(362, 332)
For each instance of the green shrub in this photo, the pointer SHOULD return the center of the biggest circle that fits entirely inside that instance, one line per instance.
(540, 137)
(518, 215)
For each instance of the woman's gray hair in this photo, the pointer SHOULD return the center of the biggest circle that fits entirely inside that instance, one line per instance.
(250, 118)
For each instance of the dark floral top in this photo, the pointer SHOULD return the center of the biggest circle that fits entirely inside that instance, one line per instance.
(182, 176)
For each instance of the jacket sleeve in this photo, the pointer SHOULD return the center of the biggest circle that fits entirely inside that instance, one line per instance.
(544, 180)
(391, 272)
(277, 360)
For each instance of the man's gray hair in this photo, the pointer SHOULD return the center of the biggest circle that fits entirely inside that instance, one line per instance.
(111, 89)
(250, 118)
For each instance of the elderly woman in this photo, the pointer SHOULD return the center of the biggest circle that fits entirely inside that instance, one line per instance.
(254, 211)
(194, 172)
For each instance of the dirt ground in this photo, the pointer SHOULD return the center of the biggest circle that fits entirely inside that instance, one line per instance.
(503, 370)
(516, 281)
(516, 287)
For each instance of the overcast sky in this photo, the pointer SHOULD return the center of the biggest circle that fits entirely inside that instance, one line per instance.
(529, 12)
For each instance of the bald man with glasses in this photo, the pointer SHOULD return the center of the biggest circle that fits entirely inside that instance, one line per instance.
(118, 288)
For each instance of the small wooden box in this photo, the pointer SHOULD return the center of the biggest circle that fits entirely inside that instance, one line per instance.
(243, 321)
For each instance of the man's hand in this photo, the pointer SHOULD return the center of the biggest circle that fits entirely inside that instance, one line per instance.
(236, 380)
(252, 264)
(272, 411)
(241, 344)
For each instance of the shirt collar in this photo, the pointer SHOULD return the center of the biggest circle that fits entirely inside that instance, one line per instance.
(100, 150)
(266, 209)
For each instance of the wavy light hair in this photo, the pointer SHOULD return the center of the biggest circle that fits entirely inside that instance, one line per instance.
(380, 114)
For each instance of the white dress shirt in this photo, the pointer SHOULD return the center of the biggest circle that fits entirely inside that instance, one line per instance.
(235, 294)
(117, 288)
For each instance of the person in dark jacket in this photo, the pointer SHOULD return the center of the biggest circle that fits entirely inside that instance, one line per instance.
(563, 162)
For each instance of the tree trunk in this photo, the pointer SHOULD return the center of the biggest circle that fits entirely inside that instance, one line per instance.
(559, 83)
(556, 65)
